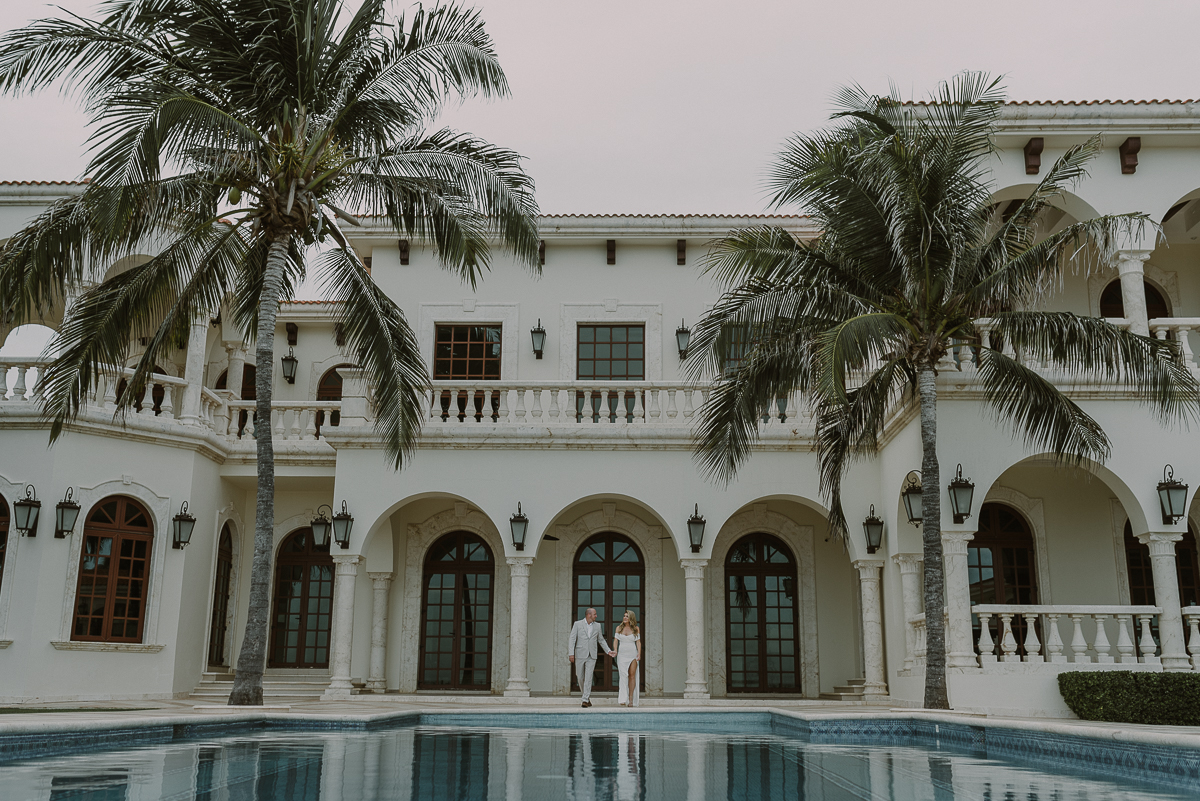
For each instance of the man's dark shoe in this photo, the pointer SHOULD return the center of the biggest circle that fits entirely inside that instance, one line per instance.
(587, 704)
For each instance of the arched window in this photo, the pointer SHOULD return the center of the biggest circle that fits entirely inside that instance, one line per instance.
(762, 643)
(329, 388)
(114, 572)
(3, 537)
(300, 623)
(1001, 566)
(610, 575)
(1112, 304)
(157, 393)
(249, 387)
(220, 607)
(456, 614)
(1141, 577)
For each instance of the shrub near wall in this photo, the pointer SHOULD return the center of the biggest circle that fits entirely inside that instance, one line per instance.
(1166, 699)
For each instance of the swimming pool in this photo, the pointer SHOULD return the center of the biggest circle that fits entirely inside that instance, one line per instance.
(471, 757)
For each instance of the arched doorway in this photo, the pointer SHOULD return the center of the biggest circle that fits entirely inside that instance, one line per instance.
(329, 388)
(762, 650)
(1112, 303)
(610, 575)
(303, 605)
(1002, 566)
(3, 537)
(220, 608)
(1141, 577)
(114, 572)
(456, 614)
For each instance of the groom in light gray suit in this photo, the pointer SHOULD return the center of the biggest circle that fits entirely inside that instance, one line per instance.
(582, 650)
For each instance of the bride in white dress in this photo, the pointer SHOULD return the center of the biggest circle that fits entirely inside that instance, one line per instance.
(627, 642)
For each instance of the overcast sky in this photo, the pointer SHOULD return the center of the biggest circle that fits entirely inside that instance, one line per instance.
(677, 106)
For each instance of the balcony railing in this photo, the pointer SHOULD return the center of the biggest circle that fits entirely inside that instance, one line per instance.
(1087, 641)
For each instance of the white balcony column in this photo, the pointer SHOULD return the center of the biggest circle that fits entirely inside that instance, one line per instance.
(1166, 597)
(514, 775)
(355, 403)
(910, 592)
(960, 651)
(345, 571)
(194, 371)
(696, 684)
(518, 636)
(872, 625)
(236, 356)
(381, 584)
(1131, 268)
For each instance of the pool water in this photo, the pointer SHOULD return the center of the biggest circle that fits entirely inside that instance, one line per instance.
(467, 764)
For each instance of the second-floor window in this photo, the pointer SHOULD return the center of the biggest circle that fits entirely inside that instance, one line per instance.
(610, 353)
(467, 352)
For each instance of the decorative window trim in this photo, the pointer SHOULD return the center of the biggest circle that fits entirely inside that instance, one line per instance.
(317, 370)
(611, 313)
(1033, 512)
(160, 511)
(226, 515)
(11, 492)
(1165, 282)
(467, 312)
(122, 647)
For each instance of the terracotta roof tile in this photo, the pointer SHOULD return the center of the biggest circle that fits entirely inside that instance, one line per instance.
(671, 216)
(43, 183)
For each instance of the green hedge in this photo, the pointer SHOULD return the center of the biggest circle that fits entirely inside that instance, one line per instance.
(1122, 696)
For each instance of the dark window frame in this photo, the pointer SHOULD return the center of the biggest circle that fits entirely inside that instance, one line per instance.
(1008, 540)
(457, 347)
(312, 556)
(222, 591)
(1141, 577)
(3, 538)
(125, 537)
(459, 568)
(605, 678)
(786, 583)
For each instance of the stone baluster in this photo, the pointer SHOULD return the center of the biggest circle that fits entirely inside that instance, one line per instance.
(147, 399)
(555, 411)
(1054, 643)
(585, 410)
(672, 412)
(696, 683)
(345, 571)
(502, 410)
(19, 386)
(277, 427)
(639, 410)
(910, 594)
(1185, 345)
(1125, 649)
(605, 414)
(310, 422)
(1033, 648)
(1193, 645)
(1147, 646)
(1101, 645)
(3, 382)
(653, 408)
(167, 407)
(1008, 643)
(518, 638)
(688, 408)
(620, 415)
(1079, 644)
(381, 584)
(986, 647)
(536, 397)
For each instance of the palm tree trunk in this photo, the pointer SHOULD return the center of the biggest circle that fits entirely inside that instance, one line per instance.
(247, 682)
(931, 537)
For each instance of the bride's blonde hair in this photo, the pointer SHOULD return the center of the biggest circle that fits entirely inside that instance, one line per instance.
(632, 621)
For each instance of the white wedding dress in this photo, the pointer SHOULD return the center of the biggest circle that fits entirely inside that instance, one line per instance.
(627, 651)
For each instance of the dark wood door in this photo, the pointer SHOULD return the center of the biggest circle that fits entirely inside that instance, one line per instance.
(1002, 567)
(301, 619)
(761, 638)
(220, 607)
(456, 614)
(609, 575)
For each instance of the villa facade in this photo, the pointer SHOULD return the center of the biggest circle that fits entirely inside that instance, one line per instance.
(1056, 569)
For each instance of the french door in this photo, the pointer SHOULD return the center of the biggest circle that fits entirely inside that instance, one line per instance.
(456, 614)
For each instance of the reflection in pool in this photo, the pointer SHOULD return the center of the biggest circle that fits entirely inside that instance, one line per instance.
(431, 762)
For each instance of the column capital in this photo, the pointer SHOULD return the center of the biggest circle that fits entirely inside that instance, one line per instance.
(867, 566)
(908, 562)
(380, 576)
(519, 565)
(1160, 543)
(956, 541)
(693, 568)
(1131, 260)
(346, 564)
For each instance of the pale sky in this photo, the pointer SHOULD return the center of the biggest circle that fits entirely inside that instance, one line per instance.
(677, 106)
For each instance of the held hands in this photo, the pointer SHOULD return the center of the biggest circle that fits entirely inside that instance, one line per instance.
(571, 659)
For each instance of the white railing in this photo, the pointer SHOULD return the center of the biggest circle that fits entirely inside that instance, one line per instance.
(1191, 621)
(574, 403)
(290, 420)
(1177, 328)
(25, 384)
(1088, 640)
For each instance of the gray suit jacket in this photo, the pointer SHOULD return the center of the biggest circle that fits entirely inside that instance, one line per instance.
(581, 646)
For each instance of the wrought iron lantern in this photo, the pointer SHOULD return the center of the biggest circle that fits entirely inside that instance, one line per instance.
(182, 526)
(289, 366)
(519, 524)
(696, 530)
(321, 525)
(26, 512)
(683, 338)
(962, 492)
(1172, 496)
(912, 497)
(343, 522)
(538, 335)
(873, 529)
(65, 515)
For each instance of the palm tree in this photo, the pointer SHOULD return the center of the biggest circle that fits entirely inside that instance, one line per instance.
(912, 254)
(240, 132)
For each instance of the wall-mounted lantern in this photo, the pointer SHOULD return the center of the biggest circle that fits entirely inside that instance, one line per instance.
(683, 338)
(289, 366)
(873, 529)
(65, 515)
(181, 529)
(962, 492)
(1172, 496)
(539, 339)
(912, 497)
(519, 524)
(343, 522)
(696, 530)
(26, 512)
(321, 525)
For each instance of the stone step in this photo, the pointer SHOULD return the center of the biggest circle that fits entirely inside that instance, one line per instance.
(851, 689)
(836, 696)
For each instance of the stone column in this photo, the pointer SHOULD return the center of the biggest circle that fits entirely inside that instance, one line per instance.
(518, 629)
(960, 651)
(514, 779)
(346, 568)
(910, 590)
(697, 768)
(1131, 268)
(194, 371)
(696, 685)
(380, 585)
(236, 355)
(1166, 597)
(872, 625)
